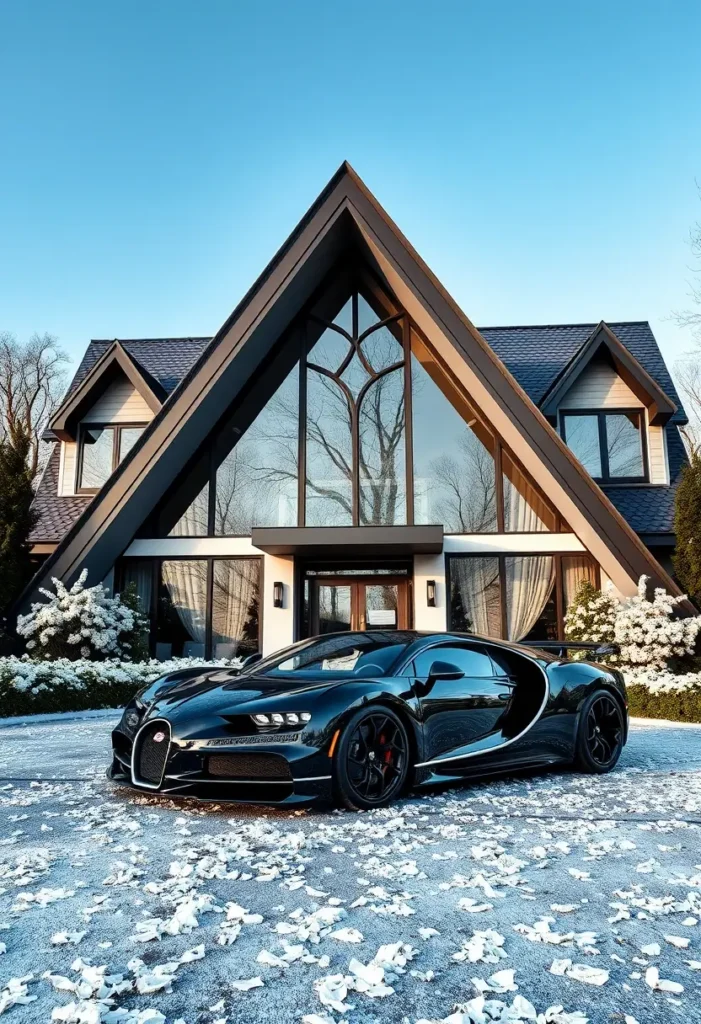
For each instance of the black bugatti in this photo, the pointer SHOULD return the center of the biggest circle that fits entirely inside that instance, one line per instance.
(360, 717)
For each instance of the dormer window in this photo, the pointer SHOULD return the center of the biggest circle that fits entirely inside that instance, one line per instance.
(102, 448)
(610, 445)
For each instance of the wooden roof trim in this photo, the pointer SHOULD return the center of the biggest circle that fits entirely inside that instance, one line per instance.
(64, 422)
(660, 405)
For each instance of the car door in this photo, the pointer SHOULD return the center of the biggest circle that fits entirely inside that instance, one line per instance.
(457, 713)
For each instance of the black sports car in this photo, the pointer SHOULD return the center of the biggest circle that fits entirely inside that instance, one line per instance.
(359, 717)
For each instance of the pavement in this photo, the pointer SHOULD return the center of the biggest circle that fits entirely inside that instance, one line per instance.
(568, 891)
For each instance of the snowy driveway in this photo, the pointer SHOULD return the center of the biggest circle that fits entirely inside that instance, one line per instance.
(560, 879)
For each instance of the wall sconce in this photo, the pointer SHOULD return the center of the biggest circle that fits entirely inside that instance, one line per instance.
(277, 595)
(431, 593)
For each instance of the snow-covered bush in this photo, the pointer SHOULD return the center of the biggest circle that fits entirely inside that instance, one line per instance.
(28, 686)
(648, 632)
(83, 622)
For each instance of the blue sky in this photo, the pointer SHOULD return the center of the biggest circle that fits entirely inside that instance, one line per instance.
(540, 156)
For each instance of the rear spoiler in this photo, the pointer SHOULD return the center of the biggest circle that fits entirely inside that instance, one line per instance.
(561, 647)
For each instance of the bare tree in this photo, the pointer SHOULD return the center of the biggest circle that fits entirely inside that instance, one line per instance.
(688, 370)
(688, 376)
(32, 381)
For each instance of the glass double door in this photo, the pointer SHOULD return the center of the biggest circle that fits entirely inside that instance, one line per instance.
(374, 602)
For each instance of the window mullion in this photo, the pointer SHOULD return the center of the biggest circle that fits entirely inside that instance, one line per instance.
(115, 447)
(408, 423)
(208, 610)
(603, 446)
(499, 487)
(559, 598)
(502, 598)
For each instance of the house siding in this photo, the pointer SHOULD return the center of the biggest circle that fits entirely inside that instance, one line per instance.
(120, 403)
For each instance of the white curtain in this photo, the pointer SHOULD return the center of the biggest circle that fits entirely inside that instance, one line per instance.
(477, 583)
(529, 583)
(234, 612)
(187, 588)
(524, 509)
(575, 568)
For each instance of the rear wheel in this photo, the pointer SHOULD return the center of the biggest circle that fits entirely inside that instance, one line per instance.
(600, 733)
(372, 759)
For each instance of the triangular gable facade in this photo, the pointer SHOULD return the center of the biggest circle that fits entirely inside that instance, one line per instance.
(345, 227)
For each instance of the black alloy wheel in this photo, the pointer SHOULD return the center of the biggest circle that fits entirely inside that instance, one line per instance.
(372, 759)
(601, 729)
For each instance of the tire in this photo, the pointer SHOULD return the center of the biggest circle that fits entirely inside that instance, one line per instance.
(371, 763)
(600, 732)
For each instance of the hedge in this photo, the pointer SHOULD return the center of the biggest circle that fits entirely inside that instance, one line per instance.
(673, 705)
(30, 687)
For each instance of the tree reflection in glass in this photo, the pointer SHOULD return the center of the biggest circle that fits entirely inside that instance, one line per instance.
(454, 476)
(256, 484)
(355, 383)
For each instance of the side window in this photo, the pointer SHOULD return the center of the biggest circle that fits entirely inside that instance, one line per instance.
(509, 663)
(473, 660)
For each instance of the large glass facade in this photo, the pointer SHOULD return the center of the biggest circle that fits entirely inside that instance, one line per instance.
(514, 597)
(378, 431)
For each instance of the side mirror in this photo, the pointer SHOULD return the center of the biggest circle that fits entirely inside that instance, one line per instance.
(606, 649)
(445, 670)
(250, 661)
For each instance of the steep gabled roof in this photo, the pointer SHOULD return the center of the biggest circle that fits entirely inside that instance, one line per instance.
(115, 361)
(661, 408)
(345, 215)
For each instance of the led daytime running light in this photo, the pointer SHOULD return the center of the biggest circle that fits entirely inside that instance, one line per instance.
(287, 718)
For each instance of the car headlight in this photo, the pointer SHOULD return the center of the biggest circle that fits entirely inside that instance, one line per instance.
(276, 719)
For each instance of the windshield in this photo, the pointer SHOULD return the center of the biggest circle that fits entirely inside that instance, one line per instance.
(352, 654)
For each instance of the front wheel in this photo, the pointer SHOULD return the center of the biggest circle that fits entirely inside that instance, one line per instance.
(372, 759)
(600, 733)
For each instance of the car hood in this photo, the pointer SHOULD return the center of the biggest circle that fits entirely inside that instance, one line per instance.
(220, 692)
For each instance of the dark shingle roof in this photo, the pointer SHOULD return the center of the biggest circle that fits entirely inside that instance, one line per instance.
(535, 355)
(56, 512)
(166, 359)
(651, 509)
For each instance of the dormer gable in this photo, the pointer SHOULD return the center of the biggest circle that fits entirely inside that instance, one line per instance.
(115, 369)
(603, 349)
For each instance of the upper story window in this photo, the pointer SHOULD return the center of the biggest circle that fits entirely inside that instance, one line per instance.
(610, 445)
(102, 448)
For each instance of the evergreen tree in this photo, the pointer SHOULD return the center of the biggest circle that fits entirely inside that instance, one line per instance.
(687, 526)
(16, 515)
(591, 616)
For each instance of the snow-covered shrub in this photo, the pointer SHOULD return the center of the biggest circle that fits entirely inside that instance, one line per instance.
(648, 632)
(28, 686)
(83, 622)
(592, 615)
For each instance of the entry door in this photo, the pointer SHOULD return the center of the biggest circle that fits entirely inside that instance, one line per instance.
(365, 603)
